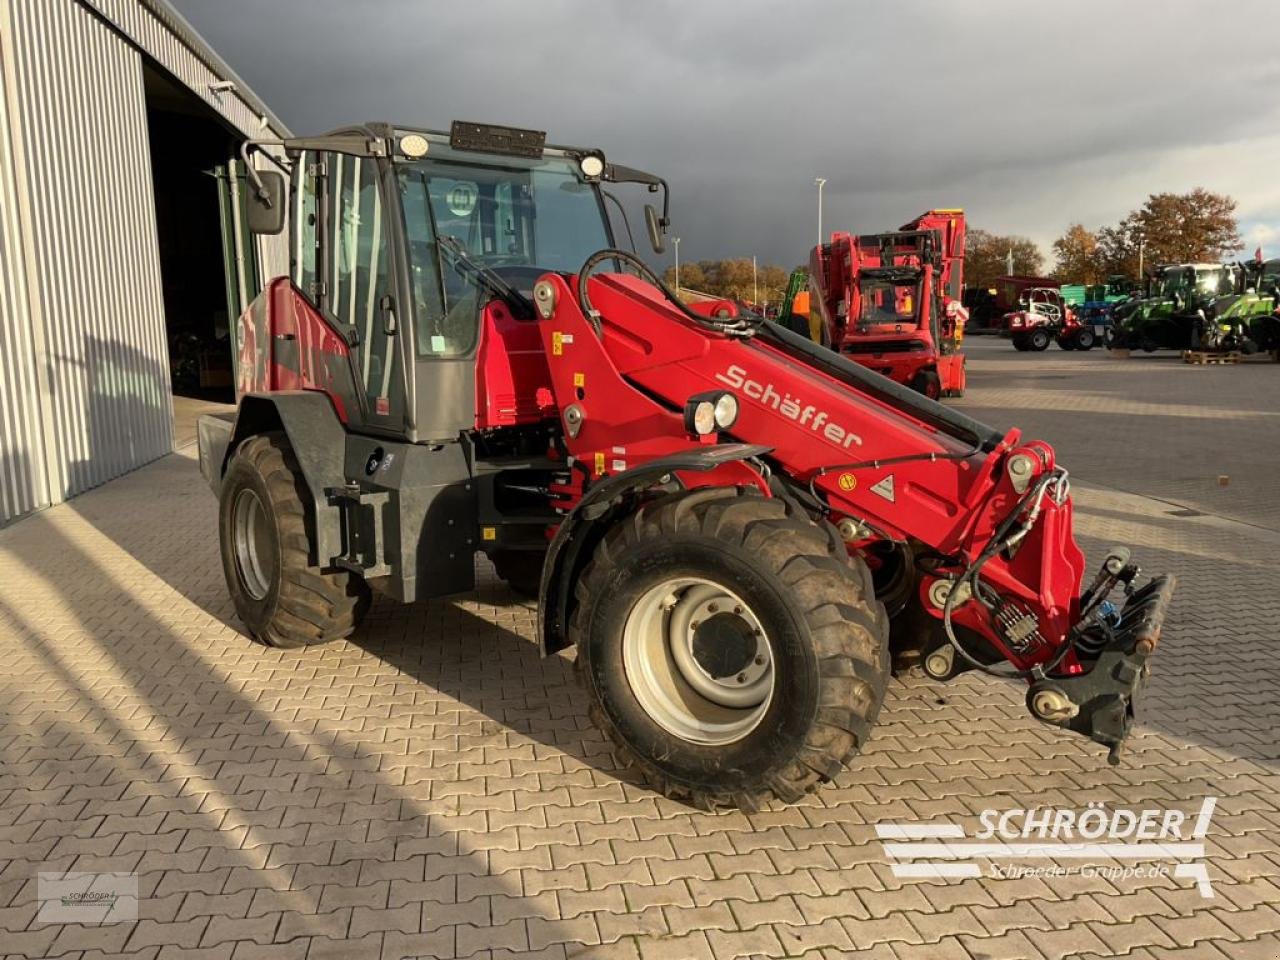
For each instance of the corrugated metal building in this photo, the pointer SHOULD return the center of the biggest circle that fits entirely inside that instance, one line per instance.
(123, 260)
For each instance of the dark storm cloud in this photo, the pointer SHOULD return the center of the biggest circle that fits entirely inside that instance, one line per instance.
(1029, 115)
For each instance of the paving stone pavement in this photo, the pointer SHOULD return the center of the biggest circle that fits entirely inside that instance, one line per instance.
(434, 789)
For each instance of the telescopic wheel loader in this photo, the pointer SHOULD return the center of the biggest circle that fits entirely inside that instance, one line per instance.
(461, 361)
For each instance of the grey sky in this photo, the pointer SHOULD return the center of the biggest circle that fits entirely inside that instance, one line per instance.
(1028, 114)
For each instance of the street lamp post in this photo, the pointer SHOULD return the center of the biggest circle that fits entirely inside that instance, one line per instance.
(676, 242)
(755, 291)
(821, 182)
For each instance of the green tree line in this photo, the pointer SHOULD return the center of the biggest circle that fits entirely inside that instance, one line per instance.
(732, 279)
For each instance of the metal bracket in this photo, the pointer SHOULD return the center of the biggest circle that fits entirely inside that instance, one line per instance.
(356, 539)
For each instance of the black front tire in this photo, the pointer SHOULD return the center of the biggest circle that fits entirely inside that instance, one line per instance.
(928, 383)
(1038, 340)
(282, 600)
(827, 637)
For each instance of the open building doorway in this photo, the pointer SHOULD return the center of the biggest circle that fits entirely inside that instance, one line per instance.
(206, 275)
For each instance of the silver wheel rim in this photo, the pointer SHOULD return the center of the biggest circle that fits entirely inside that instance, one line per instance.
(698, 661)
(254, 544)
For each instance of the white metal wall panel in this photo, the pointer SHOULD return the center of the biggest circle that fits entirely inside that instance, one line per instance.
(150, 32)
(79, 125)
(23, 485)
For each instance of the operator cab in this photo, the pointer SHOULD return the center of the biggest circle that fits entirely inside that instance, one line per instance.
(420, 247)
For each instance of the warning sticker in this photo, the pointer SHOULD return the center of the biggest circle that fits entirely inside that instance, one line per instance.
(885, 489)
(847, 482)
(600, 464)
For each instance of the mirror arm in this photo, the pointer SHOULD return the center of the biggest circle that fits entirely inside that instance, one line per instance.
(616, 173)
(251, 172)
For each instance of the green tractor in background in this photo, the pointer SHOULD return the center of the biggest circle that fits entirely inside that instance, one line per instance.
(1178, 312)
(1254, 307)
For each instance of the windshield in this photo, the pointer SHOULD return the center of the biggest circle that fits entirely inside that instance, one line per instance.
(1173, 281)
(887, 303)
(1215, 282)
(519, 218)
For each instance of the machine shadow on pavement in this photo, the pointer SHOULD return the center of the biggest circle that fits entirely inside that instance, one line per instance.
(157, 751)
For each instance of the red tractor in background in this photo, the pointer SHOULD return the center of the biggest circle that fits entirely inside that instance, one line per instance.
(1044, 317)
(892, 301)
(462, 362)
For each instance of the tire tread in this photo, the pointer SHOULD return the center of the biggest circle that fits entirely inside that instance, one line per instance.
(847, 624)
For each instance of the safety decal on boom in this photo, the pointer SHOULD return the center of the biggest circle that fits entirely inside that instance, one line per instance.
(885, 488)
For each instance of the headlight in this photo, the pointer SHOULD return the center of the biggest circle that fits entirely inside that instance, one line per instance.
(592, 165)
(706, 413)
(704, 417)
(726, 411)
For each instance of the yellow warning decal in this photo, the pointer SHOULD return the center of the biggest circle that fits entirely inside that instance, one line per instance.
(847, 481)
(600, 463)
(557, 343)
(579, 379)
(489, 533)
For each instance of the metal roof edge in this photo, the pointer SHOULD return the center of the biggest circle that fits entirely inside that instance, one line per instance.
(163, 11)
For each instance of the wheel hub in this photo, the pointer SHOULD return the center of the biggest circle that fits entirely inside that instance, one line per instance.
(254, 544)
(698, 660)
(724, 647)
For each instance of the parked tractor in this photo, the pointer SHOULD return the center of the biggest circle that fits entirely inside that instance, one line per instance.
(892, 301)
(1046, 318)
(461, 361)
(1176, 313)
(1251, 309)
(793, 313)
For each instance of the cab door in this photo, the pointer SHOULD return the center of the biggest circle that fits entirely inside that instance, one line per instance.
(343, 261)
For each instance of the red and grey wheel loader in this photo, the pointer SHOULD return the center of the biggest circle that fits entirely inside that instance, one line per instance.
(461, 361)
(892, 301)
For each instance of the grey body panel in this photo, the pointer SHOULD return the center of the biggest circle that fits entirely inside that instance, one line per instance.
(417, 513)
(445, 397)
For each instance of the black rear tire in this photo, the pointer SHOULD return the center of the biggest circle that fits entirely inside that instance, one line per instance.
(826, 637)
(1085, 339)
(521, 569)
(1038, 340)
(282, 600)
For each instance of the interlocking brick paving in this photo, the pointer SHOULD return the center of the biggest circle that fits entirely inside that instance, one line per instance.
(434, 789)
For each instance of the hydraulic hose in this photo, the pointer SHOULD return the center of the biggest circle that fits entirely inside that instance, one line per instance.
(731, 326)
(1003, 537)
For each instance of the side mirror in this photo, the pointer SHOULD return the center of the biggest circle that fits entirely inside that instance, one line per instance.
(655, 228)
(266, 203)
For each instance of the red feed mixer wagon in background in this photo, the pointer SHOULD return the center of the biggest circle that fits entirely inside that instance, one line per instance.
(892, 301)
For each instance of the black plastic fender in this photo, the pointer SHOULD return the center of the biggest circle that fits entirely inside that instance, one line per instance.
(319, 443)
(582, 528)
